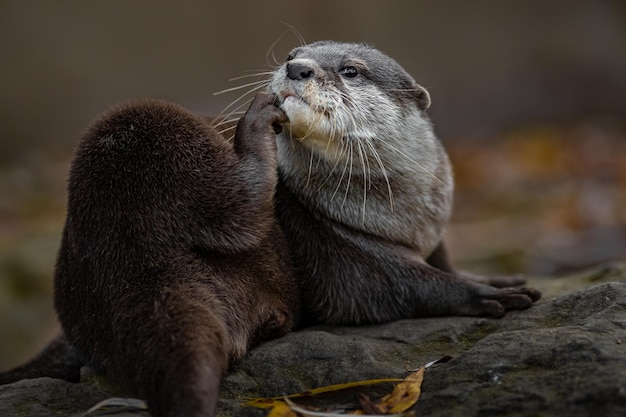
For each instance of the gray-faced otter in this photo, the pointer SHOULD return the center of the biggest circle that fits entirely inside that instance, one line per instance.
(174, 258)
(365, 193)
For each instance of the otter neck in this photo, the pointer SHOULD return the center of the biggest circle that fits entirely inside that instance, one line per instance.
(410, 192)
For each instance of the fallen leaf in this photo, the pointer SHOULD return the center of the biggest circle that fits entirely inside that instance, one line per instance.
(368, 406)
(311, 413)
(282, 410)
(404, 395)
(265, 403)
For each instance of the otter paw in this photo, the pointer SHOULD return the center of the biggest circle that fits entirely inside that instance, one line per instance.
(256, 130)
(496, 302)
(263, 116)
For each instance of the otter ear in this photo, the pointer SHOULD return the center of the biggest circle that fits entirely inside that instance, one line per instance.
(422, 97)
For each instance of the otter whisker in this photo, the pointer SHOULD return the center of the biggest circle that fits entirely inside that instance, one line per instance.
(344, 151)
(420, 166)
(226, 118)
(319, 118)
(404, 89)
(308, 177)
(234, 120)
(259, 73)
(231, 117)
(255, 86)
(227, 129)
(356, 122)
(365, 179)
(383, 171)
(345, 195)
(368, 144)
(239, 87)
(270, 50)
(295, 32)
(242, 104)
(350, 113)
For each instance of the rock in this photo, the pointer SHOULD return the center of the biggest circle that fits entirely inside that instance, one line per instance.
(47, 397)
(565, 356)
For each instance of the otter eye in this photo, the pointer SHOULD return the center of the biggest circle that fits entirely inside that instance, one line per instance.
(349, 72)
(289, 57)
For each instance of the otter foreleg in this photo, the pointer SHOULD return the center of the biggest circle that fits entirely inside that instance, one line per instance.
(439, 259)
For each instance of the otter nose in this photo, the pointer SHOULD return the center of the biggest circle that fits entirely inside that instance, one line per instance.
(299, 72)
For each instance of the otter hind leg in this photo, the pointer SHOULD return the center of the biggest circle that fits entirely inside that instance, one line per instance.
(439, 259)
(57, 360)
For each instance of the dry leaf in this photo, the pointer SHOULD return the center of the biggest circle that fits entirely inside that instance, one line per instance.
(310, 413)
(368, 406)
(282, 410)
(403, 396)
(273, 401)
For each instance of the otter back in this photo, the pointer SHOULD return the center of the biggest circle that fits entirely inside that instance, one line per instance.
(171, 263)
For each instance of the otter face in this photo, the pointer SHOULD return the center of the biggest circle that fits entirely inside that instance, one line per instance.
(337, 93)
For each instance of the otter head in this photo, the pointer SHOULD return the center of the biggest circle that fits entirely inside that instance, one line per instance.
(334, 93)
(358, 146)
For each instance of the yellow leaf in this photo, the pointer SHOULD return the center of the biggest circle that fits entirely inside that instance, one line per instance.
(282, 410)
(264, 403)
(404, 395)
(271, 402)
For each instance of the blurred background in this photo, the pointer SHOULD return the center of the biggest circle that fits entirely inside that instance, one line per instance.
(529, 98)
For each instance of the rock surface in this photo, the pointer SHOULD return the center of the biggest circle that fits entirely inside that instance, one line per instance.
(565, 356)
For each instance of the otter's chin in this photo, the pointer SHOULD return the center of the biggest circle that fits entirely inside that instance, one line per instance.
(301, 117)
(293, 106)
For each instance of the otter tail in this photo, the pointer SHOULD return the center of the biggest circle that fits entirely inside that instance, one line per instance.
(170, 350)
(57, 360)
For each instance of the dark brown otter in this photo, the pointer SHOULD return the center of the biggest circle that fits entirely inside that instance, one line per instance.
(172, 263)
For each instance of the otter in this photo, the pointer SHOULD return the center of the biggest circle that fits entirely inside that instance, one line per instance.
(171, 263)
(181, 250)
(365, 192)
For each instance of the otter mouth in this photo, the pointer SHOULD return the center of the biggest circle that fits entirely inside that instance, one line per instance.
(298, 100)
(286, 94)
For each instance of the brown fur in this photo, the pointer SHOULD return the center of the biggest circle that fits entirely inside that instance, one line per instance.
(172, 263)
